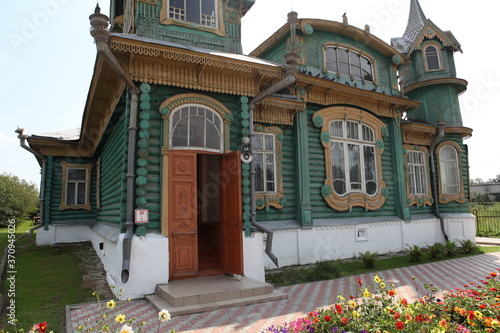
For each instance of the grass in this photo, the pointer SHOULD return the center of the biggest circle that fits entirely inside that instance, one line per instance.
(47, 279)
(339, 268)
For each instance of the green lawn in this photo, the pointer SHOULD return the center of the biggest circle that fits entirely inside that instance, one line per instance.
(47, 279)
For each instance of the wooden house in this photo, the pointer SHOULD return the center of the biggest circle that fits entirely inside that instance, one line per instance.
(194, 159)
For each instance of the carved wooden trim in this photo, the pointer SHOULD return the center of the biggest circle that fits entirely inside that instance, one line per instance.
(274, 110)
(460, 82)
(264, 200)
(88, 182)
(418, 200)
(322, 119)
(465, 132)
(418, 134)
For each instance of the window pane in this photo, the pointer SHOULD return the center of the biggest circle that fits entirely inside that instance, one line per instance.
(449, 170)
(343, 55)
(193, 11)
(212, 137)
(352, 130)
(343, 68)
(368, 135)
(197, 132)
(331, 59)
(259, 141)
(432, 58)
(366, 66)
(354, 166)
(259, 172)
(336, 129)
(269, 144)
(77, 174)
(338, 167)
(81, 193)
(70, 193)
(180, 134)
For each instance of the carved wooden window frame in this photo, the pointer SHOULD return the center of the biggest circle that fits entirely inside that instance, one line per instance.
(438, 48)
(219, 30)
(323, 119)
(418, 199)
(264, 200)
(350, 50)
(448, 197)
(88, 177)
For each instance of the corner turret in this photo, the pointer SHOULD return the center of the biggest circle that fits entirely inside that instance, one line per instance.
(430, 75)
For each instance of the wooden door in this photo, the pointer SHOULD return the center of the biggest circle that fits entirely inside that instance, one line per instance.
(231, 213)
(183, 233)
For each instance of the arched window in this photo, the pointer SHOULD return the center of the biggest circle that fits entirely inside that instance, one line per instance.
(448, 163)
(432, 59)
(196, 127)
(352, 146)
(349, 62)
(451, 186)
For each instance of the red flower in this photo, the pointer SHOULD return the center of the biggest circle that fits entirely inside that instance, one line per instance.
(494, 274)
(42, 327)
(482, 306)
(400, 325)
(328, 318)
(397, 316)
(344, 321)
(338, 308)
(360, 282)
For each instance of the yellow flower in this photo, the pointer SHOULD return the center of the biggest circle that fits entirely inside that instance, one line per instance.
(478, 314)
(377, 279)
(340, 297)
(120, 318)
(382, 285)
(111, 304)
(366, 293)
(352, 304)
(355, 314)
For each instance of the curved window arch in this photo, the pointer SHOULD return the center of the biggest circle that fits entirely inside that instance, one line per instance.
(348, 61)
(194, 126)
(450, 180)
(432, 58)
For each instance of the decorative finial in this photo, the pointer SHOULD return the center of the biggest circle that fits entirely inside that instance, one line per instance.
(97, 8)
(344, 20)
(367, 29)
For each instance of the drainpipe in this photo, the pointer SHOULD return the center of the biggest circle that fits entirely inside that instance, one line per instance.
(289, 79)
(439, 136)
(22, 137)
(99, 25)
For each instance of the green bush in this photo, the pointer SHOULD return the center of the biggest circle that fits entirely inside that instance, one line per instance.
(324, 270)
(368, 259)
(436, 250)
(450, 248)
(415, 253)
(468, 246)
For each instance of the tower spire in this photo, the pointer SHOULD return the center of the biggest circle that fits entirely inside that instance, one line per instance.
(416, 21)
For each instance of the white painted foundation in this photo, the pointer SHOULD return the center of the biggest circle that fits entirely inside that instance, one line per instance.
(342, 241)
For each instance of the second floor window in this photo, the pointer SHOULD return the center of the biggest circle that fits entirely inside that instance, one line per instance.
(348, 62)
(201, 12)
(432, 58)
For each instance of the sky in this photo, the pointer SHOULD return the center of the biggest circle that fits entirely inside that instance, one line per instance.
(47, 57)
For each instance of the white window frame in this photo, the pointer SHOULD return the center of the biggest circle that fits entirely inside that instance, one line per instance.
(447, 165)
(360, 143)
(179, 14)
(262, 151)
(417, 173)
(188, 130)
(350, 52)
(437, 54)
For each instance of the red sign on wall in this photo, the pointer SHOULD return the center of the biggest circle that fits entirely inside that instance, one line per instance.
(141, 215)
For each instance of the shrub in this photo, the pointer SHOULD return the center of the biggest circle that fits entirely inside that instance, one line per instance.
(368, 259)
(436, 250)
(415, 253)
(324, 270)
(468, 246)
(450, 248)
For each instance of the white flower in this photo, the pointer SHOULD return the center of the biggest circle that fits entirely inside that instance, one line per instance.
(164, 316)
(126, 329)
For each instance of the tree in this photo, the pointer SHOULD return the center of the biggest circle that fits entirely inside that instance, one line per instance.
(495, 180)
(18, 199)
(482, 197)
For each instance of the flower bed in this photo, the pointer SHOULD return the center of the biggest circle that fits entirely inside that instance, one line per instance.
(376, 308)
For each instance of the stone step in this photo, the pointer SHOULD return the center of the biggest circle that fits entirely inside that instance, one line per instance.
(212, 293)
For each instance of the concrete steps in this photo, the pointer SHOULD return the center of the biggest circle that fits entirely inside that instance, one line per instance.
(211, 293)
